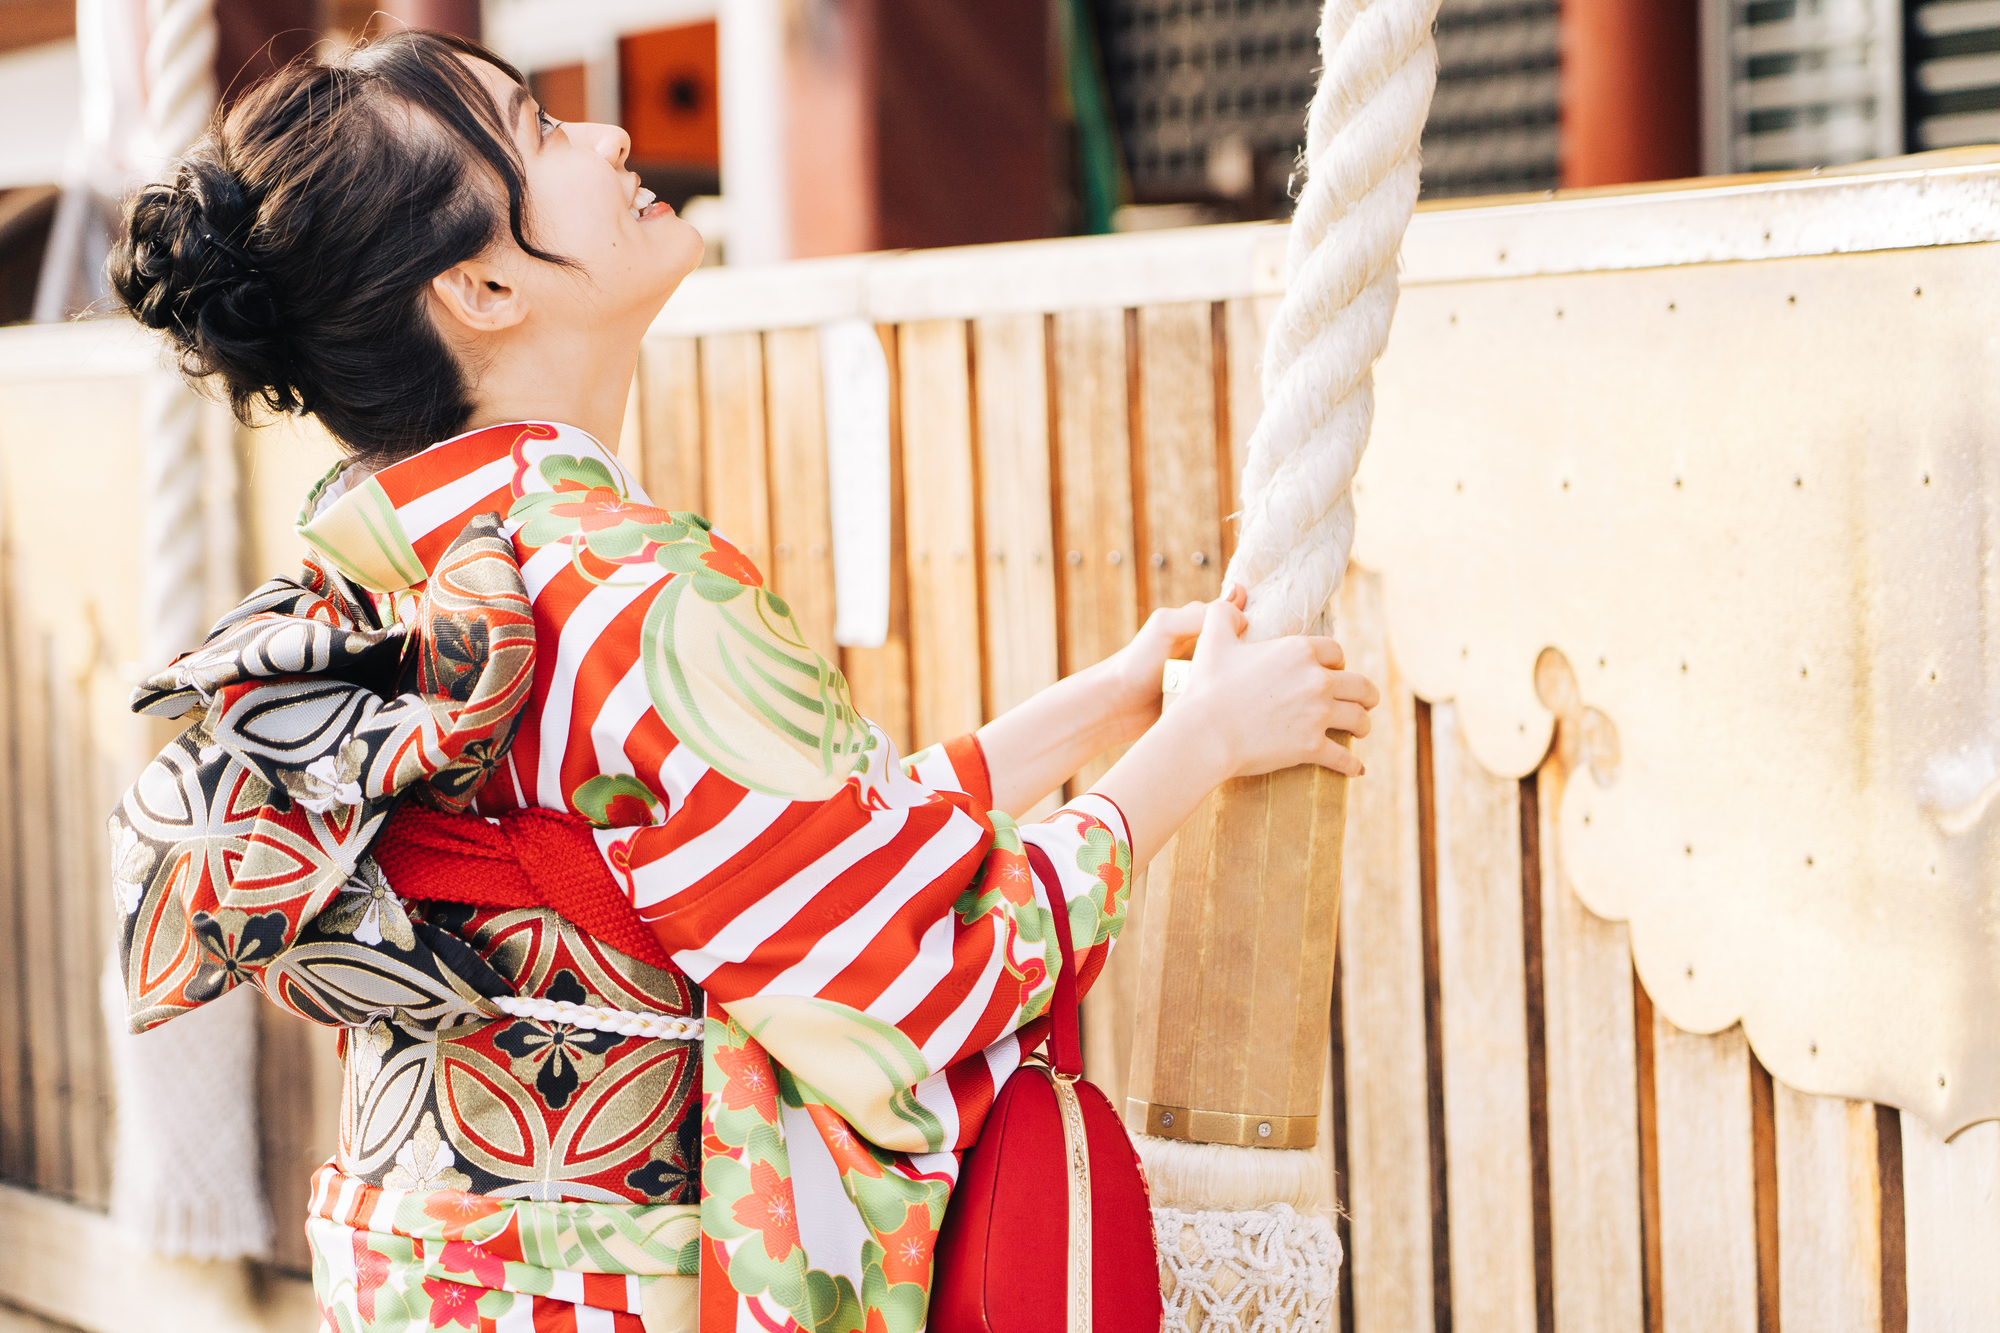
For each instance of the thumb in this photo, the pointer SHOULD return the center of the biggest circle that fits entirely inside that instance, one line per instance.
(1221, 628)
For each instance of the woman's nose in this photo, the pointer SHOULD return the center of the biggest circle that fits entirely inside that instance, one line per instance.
(610, 142)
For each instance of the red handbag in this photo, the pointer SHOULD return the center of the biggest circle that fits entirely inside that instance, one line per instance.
(1050, 1229)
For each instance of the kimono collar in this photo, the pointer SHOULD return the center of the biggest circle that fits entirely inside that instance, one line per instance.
(388, 532)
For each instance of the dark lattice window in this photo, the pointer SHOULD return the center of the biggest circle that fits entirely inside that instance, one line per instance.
(1953, 52)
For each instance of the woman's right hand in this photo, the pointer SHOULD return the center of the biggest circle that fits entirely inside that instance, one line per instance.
(1271, 704)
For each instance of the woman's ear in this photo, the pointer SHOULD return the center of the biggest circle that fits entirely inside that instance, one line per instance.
(480, 297)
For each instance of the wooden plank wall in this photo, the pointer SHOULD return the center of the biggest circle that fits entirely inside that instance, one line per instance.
(1517, 1140)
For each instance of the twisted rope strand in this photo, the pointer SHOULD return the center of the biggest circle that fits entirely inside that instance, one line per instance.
(1362, 137)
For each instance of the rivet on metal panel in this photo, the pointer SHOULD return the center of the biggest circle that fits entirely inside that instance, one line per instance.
(1159, 561)
(1601, 659)
(784, 551)
(1920, 291)
(1458, 486)
(1933, 677)
(1940, 1080)
(1688, 849)
(1812, 1048)
(1798, 482)
(1927, 478)
(1586, 820)
(1671, 307)
(1791, 300)
(1565, 483)
(1454, 319)
(1677, 483)
(1559, 313)
(1076, 557)
(1465, 651)
(1690, 972)
(1200, 559)
(1809, 858)
(1684, 666)
(1116, 557)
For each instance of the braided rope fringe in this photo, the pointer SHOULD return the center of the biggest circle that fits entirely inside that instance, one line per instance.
(1263, 1270)
(1380, 69)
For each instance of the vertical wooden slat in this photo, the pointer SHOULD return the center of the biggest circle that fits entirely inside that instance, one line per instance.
(82, 893)
(1592, 1089)
(1829, 1213)
(1708, 1205)
(880, 677)
(1247, 320)
(1020, 583)
(1951, 1221)
(940, 517)
(1177, 428)
(41, 932)
(670, 447)
(736, 485)
(1094, 526)
(1480, 967)
(801, 564)
(1649, 1157)
(1090, 397)
(1764, 1176)
(1895, 1247)
(1387, 1192)
(16, 1132)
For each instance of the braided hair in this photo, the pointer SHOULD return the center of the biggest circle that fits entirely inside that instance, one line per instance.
(287, 256)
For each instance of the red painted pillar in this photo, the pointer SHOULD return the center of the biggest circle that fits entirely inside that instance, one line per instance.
(1631, 91)
(459, 16)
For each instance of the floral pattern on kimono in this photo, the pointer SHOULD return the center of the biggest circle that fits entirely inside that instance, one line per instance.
(239, 856)
(876, 946)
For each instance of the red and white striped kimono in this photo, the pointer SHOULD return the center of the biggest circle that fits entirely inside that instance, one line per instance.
(872, 939)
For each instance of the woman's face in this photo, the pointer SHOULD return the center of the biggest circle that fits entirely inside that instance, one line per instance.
(584, 205)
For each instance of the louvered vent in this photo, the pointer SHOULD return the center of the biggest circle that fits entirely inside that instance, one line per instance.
(1495, 122)
(1196, 83)
(1811, 83)
(1954, 60)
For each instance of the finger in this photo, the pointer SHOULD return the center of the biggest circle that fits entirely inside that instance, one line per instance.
(1353, 687)
(1328, 651)
(1332, 754)
(1238, 595)
(1347, 717)
(1222, 622)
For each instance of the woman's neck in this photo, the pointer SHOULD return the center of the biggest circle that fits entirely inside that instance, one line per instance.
(578, 380)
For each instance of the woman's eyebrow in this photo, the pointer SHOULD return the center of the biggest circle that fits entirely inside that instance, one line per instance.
(515, 103)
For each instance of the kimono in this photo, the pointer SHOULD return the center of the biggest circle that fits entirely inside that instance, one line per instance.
(871, 943)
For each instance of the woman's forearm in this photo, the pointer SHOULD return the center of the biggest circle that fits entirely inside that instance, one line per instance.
(1034, 747)
(1159, 781)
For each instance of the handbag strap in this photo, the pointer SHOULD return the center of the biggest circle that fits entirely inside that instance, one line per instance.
(1065, 1042)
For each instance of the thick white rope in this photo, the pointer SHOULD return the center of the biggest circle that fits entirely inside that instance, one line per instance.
(1230, 1263)
(1379, 68)
(180, 97)
(185, 1175)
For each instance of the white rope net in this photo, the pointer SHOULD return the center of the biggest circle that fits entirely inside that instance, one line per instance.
(1264, 1270)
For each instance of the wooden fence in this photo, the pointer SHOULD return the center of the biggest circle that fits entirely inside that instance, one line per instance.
(1517, 1141)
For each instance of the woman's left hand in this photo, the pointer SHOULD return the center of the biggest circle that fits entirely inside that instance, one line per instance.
(1133, 672)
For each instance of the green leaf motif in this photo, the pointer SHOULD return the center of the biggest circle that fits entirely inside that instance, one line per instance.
(594, 798)
(585, 472)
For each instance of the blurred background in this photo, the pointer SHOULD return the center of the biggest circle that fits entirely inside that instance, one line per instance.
(794, 128)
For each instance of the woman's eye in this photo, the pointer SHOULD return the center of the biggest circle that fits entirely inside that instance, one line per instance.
(549, 123)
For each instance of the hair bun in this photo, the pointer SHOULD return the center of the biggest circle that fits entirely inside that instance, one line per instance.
(188, 268)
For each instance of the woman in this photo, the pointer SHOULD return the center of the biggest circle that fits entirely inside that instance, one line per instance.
(680, 802)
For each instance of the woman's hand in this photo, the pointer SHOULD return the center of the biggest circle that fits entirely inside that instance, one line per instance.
(1271, 704)
(1133, 673)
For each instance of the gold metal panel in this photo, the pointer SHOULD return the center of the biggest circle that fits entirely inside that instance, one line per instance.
(1756, 506)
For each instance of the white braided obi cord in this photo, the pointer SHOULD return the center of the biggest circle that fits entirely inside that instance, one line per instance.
(598, 1018)
(1244, 1244)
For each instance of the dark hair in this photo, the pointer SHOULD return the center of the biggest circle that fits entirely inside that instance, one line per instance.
(289, 252)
